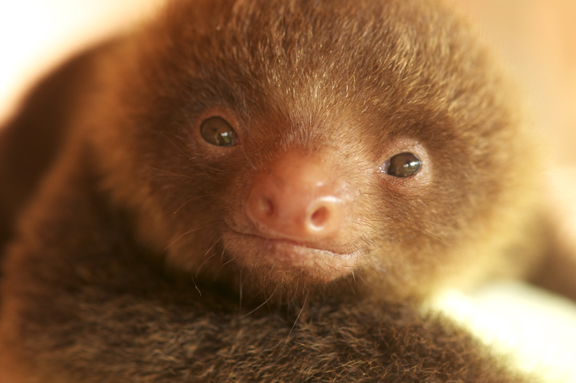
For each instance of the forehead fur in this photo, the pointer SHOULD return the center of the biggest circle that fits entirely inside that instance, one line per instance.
(407, 62)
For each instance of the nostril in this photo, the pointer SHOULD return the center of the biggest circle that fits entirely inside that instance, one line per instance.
(294, 201)
(319, 218)
(266, 207)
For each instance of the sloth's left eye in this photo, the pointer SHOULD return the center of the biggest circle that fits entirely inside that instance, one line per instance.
(402, 165)
(217, 131)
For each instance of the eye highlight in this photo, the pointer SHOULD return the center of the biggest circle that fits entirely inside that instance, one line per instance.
(402, 165)
(217, 131)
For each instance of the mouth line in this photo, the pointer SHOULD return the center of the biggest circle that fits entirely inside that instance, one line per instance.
(290, 259)
(290, 242)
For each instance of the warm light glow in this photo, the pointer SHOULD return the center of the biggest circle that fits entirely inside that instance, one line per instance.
(536, 327)
(36, 34)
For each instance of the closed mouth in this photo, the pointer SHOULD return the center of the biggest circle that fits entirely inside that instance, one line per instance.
(287, 255)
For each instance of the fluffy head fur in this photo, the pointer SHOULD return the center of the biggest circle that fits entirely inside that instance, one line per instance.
(348, 80)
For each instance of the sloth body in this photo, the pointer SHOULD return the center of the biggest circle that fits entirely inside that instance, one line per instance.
(263, 191)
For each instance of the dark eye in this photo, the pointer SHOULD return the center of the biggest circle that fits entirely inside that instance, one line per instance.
(402, 165)
(217, 131)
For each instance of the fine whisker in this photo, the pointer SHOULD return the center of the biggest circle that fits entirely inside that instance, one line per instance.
(208, 258)
(199, 227)
(262, 304)
(297, 318)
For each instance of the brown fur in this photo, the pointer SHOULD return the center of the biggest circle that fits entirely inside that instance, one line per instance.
(122, 267)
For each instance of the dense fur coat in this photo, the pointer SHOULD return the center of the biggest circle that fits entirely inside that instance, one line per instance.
(141, 256)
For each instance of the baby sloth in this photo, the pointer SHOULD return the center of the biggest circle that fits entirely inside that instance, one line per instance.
(262, 190)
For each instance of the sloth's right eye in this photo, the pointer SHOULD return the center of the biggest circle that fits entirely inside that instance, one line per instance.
(217, 131)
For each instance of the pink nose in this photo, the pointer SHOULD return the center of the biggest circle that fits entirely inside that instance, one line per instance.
(296, 199)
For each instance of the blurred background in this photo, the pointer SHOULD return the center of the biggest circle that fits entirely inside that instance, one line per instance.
(36, 35)
(538, 39)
